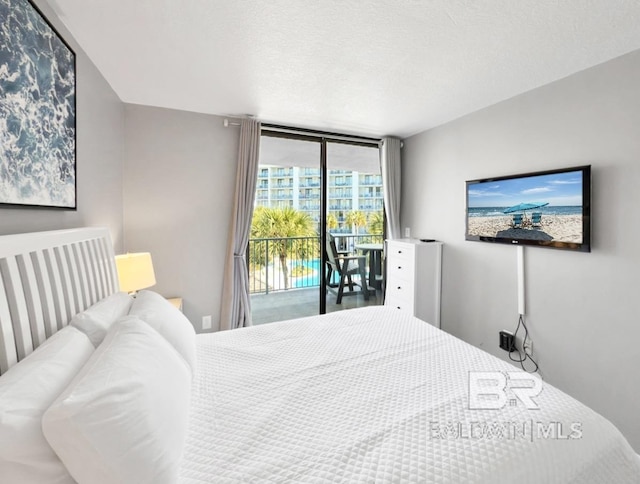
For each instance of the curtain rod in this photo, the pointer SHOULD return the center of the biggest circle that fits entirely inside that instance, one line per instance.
(311, 132)
(316, 132)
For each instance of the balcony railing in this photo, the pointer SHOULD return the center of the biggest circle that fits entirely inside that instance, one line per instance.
(280, 264)
(371, 180)
(282, 172)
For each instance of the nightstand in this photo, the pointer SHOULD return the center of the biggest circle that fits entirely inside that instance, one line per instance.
(176, 301)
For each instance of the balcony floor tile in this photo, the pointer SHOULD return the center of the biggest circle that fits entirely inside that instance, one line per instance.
(298, 303)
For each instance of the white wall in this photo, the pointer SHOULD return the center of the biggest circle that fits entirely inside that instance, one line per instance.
(100, 152)
(581, 308)
(178, 197)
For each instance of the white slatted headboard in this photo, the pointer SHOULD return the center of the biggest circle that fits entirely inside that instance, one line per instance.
(46, 278)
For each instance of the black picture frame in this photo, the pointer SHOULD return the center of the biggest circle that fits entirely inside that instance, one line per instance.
(37, 111)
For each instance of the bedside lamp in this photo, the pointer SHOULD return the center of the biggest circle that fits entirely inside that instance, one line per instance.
(135, 271)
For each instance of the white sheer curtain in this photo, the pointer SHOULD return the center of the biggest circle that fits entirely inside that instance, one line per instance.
(390, 166)
(236, 304)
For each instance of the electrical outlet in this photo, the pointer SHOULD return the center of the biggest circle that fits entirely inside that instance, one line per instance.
(528, 347)
(206, 322)
(407, 232)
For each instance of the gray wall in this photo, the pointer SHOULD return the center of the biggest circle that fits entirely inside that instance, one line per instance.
(178, 196)
(581, 308)
(100, 152)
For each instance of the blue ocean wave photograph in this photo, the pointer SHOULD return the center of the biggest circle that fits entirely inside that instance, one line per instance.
(37, 110)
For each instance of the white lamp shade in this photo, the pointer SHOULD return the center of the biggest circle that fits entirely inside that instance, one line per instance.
(135, 271)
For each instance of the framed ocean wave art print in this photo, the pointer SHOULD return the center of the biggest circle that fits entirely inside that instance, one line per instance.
(37, 110)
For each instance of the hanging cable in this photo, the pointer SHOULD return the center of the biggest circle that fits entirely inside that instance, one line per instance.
(526, 357)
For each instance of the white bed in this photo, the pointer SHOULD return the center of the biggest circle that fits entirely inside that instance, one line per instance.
(369, 395)
(375, 395)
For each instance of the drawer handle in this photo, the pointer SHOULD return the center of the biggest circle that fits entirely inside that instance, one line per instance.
(399, 287)
(399, 252)
(399, 307)
(399, 267)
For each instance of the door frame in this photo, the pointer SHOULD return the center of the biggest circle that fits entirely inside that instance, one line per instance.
(322, 137)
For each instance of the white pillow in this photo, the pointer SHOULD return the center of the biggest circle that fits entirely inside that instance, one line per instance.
(26, 391)
(96, 320)
(162, 316)
(124, 417)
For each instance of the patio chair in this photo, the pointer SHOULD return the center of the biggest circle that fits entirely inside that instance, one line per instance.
(382, 278)
(345, 266)
(340, 253)
(516, 223)
(536, 219)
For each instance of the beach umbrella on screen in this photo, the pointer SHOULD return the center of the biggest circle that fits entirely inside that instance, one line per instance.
(521, 207)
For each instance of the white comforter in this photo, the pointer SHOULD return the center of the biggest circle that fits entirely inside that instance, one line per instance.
(374, 395)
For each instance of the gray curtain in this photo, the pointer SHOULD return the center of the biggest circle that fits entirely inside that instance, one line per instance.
(236, 305)
(391, 181)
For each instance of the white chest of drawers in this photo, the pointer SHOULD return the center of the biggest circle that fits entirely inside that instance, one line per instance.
(414, 278)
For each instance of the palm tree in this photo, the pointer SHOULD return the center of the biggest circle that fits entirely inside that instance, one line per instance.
(332, 221)
(282, 223)
(376, 223)
(356, 219)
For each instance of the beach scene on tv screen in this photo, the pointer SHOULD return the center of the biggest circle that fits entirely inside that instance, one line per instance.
(542, 207)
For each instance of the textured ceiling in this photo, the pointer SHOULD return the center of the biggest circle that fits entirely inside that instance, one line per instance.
(374, 67)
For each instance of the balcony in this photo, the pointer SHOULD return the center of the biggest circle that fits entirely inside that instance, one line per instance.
(282, 172)
(276, 295)
(371, 180)
(340, 194)
(299, 303)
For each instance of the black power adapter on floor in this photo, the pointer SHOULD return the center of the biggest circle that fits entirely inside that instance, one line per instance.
(507, 341)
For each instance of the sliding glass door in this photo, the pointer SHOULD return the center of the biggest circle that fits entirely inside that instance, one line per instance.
(312, 193)
(284, 248)
(355, 223)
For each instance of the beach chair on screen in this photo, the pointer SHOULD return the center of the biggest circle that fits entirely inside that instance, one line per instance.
(516, 222)
(536, 219)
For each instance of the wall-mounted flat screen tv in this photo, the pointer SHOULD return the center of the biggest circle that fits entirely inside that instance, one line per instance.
(548, 209)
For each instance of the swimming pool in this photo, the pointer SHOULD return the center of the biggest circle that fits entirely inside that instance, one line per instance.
(310, 279)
